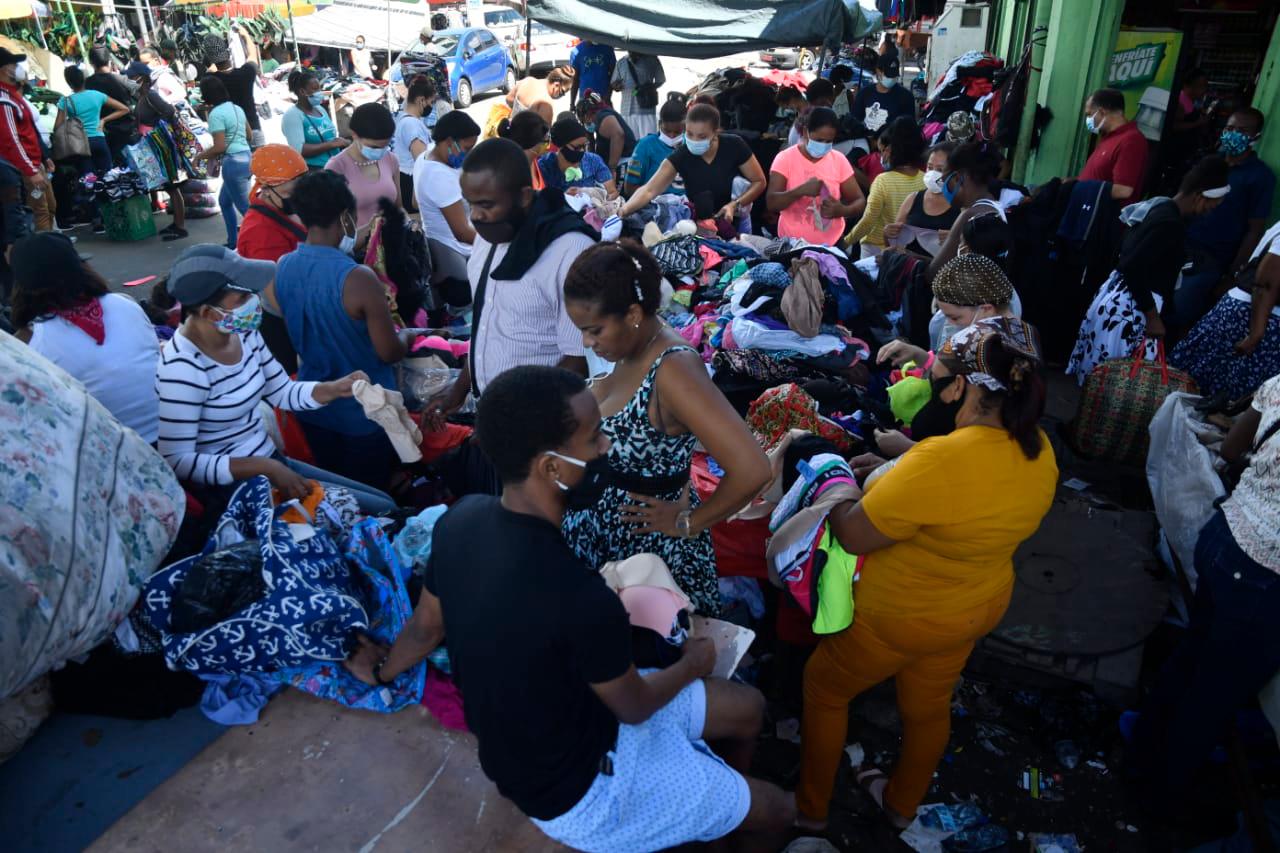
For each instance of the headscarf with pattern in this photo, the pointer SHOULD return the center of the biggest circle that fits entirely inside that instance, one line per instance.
(966, 353)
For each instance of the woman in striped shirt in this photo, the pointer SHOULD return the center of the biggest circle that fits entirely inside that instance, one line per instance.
(216, 369)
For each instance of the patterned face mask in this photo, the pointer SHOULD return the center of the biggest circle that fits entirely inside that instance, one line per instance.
(247, 318)
(1233, 143)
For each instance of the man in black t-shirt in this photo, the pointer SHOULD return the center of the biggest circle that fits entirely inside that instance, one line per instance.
(598, 755)
(122, 131)
(877, 106)
(239, 82)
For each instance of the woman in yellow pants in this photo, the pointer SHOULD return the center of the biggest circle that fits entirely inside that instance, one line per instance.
(939, 530)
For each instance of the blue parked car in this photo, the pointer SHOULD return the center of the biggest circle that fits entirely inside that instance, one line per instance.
(476, 61)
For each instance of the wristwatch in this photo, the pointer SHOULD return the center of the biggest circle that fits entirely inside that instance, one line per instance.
(682, 523)
(377, 674)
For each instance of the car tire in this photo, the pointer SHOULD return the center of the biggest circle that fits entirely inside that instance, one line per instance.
(806, 60)
(509, 81)
(465, 94)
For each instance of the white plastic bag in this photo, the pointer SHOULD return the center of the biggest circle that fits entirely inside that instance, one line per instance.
(1180, 472)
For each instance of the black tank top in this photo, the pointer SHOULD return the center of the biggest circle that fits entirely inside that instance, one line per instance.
(918, 218)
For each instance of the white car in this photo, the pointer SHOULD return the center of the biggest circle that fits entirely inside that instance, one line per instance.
(504, 22)
(546, 49)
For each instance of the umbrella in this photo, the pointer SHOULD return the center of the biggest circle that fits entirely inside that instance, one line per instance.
(10, 9)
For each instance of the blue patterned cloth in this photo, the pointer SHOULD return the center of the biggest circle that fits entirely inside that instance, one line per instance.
(1208, 352)
(667, 789)
(387, 602)
(309, 613)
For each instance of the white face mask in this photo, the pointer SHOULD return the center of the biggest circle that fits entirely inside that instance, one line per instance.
(670, 141)
(348, 243)
(20, 73)
(933, 181)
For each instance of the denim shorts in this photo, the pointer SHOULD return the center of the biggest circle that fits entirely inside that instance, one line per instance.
(667, 787)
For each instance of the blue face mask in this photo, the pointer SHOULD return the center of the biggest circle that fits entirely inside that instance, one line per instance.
(591, 128)
(1233, 143)
(456, 157)
(317, 99)
(947, 192)
(373, 154)
(817, 150)
(1091, 124)
(697, 147)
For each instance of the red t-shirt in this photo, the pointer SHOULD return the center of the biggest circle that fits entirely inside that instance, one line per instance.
(264, 237)
(1121, 158)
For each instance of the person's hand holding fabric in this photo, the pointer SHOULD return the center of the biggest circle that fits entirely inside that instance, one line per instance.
(865, 463)
(291, 485)
(338, 389)
(364, 658)
(699, 655)
(893, 442)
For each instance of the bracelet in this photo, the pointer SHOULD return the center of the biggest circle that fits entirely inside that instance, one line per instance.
(683, 527)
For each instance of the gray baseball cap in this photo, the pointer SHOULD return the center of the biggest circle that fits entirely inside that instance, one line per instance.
(207, 268)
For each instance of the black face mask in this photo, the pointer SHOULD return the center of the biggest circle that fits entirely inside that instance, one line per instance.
(937, 417)
(501, 232)
(284, 205)
(587, 492)
(572, 155)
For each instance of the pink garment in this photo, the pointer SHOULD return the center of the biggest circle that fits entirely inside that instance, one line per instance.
(693, 332)
(456, 348)
(727, 341)
(933, 128)
(368, 192)
(444, 700)
(798, 219)
(710, 257)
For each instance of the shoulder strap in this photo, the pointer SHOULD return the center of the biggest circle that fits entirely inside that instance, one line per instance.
(477, 306)
(275, 216)
(1271, 431)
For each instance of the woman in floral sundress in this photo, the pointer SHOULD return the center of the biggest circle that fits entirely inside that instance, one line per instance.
(658, 404)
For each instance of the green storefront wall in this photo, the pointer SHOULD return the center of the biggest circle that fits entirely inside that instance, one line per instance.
(1077, 51)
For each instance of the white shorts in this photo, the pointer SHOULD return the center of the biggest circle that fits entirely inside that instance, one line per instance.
(668, 788)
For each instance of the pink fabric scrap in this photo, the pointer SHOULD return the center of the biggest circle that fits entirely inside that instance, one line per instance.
(444, 700)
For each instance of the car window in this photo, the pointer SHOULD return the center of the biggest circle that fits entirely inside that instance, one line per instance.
(487, 40)
(440, 46)
(472, 43)
(504, 16)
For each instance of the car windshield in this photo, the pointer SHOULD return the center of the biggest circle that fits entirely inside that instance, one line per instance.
(541, 30)
(442, 45)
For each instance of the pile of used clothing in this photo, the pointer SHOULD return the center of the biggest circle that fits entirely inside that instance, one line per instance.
(965, 87)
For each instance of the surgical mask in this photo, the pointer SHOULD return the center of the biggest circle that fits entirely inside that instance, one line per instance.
(20, 73)
(888, 82)
(455, 159)
(359, 45)
(501, 232)
(587, 492)
(697, 147)
(937, 417)
(885, 163)
(247, 318)
(933, 181)
(373, 154)
(1091, 124)
(817, 150)
(316, 99)
(572, 155)
(1233, 142)
(669, 141)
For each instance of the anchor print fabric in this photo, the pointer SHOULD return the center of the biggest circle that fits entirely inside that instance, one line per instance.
(310, 612)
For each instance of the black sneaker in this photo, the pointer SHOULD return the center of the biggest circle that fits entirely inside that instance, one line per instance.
(99, 228)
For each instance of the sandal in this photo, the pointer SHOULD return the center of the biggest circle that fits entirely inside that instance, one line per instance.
(874, 782)
(171, 233)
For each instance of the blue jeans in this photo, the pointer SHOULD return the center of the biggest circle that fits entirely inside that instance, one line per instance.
(371, 501)
(234, 195)
(1231, 650)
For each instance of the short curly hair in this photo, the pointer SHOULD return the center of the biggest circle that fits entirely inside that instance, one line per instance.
(524, 413)
(615, 276)
(320, 198)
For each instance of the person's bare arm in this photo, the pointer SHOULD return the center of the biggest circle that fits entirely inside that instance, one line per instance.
(421, 635)
(688, 398)
(1252, 234)
(1120, 192)
(117, 111)
(459, 223)
(893, 229)
(1242, 434)
(1266, 289)
(854, 530)
(416, 147)
(218, 147)
(656, 186)
(950, 247)
(634, 698)
(852, 199)
(779, 197)
(612, 131)
(364, 298)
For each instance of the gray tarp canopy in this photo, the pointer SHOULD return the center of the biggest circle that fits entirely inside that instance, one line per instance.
(705, 29)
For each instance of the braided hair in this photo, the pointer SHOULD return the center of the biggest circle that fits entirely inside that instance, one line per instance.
(615, 276)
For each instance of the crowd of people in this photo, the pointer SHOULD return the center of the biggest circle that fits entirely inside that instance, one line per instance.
(586, 359)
